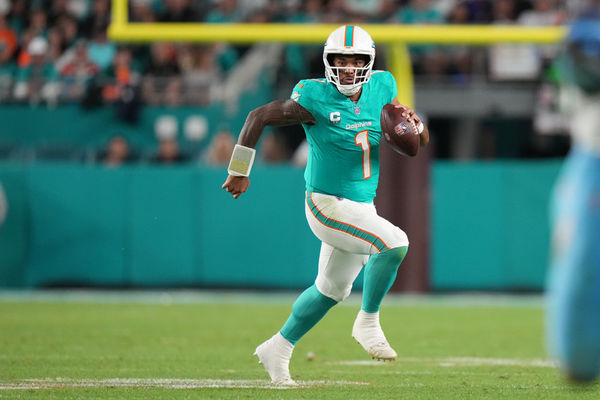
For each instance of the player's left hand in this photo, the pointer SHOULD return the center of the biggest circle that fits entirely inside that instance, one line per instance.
(236, 185)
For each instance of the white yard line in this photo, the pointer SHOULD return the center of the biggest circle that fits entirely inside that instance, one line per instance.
(479, 361)
(458, 362)
(62, 383)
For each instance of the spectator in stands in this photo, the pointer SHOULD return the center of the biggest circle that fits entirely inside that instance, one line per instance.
(8, 45)
(69, 30)
(78, 73)
(169, 152)
(99, 17)
(16, 18)
(122, 63)
(129, 103)
(100, 50)
(8, 38)
(37, 78)
(56, 46)
(56, 8)
(142, 11)
(117, 153)
(459, 14)
(123, 90)
(504, 12)
(201, 74)
(173, 93)
(23, 56)
(38, 22)
(162, 66)
(220, 149)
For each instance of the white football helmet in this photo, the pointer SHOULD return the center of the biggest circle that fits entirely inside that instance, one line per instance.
(349, 40)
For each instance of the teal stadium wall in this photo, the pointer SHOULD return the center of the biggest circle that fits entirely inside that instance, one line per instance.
(490, 224)
(153, 227)
(149, 226)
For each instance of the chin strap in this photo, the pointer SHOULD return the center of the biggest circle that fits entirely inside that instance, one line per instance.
(348, 91)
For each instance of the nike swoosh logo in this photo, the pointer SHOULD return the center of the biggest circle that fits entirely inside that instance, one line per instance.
(300, 85)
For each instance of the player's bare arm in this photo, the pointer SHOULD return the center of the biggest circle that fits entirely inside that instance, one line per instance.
(275, 113)
(410, 114)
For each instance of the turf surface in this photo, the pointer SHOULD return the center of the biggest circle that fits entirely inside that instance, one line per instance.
(111, 347)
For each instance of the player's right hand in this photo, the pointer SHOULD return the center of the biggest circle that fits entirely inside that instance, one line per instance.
(408, 113)
(236, 185)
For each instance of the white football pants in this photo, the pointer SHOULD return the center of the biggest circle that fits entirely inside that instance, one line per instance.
(350, 232)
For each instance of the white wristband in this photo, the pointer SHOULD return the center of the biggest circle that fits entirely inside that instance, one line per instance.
(421, 127)
(241, 160)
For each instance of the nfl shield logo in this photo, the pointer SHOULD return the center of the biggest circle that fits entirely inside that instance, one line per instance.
(357, 110)
(400, 129)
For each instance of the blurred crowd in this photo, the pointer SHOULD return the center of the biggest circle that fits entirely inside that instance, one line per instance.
(57, 51)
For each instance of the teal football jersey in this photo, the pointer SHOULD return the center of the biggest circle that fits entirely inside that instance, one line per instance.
(343, 158)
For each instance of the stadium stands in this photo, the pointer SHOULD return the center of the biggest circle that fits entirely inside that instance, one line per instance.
(55, 53)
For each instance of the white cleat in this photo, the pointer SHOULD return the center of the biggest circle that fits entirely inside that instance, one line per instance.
(275, 355)
(367, 332)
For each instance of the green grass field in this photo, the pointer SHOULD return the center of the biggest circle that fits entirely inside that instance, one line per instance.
(163, 346)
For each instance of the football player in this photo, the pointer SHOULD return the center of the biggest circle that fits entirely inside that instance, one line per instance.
(341, 117)
(573, 318)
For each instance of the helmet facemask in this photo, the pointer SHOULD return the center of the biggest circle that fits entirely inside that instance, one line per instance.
(361, 74)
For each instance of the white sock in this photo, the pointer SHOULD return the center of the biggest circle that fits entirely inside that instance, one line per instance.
(283, 344)
(368, 318)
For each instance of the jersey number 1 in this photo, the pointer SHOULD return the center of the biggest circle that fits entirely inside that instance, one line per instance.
(362, 139)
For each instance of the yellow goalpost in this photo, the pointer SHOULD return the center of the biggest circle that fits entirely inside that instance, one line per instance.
(397, 36)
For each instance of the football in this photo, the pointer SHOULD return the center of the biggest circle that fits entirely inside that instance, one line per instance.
(401, 134)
